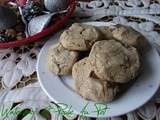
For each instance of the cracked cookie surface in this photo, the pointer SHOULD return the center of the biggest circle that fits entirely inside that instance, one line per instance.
(113, 61)
(106, 31)
(60, 60)
(129, 36)
(79, 37)
(92, 88)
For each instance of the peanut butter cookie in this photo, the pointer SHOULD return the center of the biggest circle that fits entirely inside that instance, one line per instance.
(113, 61)
(79, 37)
(129, 36)
(90, 87)
(61, 60)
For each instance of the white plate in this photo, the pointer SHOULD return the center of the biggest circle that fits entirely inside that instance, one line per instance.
(61, 90)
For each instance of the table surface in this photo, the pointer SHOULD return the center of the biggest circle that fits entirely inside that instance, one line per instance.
(19, 88)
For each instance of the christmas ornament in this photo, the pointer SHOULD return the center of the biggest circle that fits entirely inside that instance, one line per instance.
(7, 18)
(55, 5)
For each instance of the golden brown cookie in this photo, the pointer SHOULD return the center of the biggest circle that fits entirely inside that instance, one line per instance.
(92, 88)
(79, 37)
(129, 36)
(112, 61)
(106, 31)
(61, 60)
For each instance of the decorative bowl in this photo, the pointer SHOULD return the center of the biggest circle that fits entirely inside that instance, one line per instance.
(58, 23)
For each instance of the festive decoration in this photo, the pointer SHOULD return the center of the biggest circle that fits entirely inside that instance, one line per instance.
(38, 23)
(7, 18)
(55, 5)
(31, 10)
(4, 38)
(7, 35)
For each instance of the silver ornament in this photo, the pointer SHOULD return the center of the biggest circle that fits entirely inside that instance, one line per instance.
(38, 23)
(55, 5)
(7, 18)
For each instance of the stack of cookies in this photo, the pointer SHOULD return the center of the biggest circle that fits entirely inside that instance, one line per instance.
(100, 59)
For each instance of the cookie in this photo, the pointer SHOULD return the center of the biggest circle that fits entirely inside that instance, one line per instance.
(129, 36)
(61, 60)
(106, 31)
(90, 87)
(113, 61)
(79, 37)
